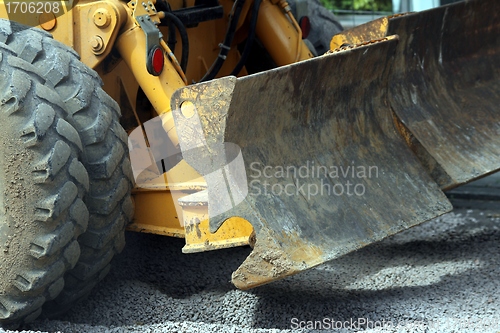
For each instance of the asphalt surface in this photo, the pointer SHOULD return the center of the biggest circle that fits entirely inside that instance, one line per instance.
(442, 276)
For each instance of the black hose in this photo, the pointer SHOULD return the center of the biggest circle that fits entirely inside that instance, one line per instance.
(226, 45)
(250, 39)
(172, 36)
(184, 38)
(163, 5)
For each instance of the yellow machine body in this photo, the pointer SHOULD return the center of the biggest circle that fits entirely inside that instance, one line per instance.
(95, 28)
(393, 93)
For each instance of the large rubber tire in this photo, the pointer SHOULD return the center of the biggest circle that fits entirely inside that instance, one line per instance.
(324, 25)
(42, 184)
(95, 115)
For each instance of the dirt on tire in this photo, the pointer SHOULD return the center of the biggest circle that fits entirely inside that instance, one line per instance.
(42, 186)
(95, 116)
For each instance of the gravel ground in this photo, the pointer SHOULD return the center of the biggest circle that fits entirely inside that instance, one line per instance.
(442, 276)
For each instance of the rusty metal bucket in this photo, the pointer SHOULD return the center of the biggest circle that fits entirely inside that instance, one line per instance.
(329, 155)
(444, 85)
(445, 88)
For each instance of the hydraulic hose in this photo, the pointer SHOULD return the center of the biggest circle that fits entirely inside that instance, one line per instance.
(172, 39)
(225, 46)
(163, 5)
(250, 39)
(184, 37)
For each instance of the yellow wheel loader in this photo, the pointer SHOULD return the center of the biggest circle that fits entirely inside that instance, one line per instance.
(213, 120)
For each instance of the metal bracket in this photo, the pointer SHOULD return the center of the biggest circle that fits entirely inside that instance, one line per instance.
(147, 18)
(153, 36)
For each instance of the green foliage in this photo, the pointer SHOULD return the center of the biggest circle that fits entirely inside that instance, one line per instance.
(327, 4)
(370, 5)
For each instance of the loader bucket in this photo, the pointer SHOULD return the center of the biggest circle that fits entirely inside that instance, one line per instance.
(445, 88)
(328, 155)
(444, 85)
(317, 122)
